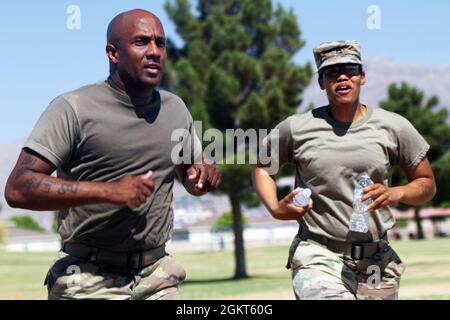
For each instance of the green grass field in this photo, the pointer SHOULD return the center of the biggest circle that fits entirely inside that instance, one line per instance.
(209, 274)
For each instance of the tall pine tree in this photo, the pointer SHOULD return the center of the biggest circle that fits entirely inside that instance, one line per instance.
(432, 124)
(235, 70)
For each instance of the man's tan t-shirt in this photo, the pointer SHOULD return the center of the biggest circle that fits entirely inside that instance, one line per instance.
(96, 133)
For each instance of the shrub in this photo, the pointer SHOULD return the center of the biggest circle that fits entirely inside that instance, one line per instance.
(26, 222)
(225, 223)
(3, 232)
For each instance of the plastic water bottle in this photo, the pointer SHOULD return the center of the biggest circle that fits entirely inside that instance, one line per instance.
(302, 198)
(359, 221)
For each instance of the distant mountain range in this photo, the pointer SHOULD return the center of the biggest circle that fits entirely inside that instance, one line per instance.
(380, 72)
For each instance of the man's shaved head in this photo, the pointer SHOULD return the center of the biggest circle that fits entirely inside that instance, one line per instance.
(121, 23)
(136, 48)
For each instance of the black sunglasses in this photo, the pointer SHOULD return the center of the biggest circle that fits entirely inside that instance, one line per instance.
(332, 72)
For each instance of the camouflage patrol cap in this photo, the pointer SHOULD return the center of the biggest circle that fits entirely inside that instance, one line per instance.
(336, 52)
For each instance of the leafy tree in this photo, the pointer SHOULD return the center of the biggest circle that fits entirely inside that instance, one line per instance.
(235, 70)
(431, 123)
(441, 169)
(225, 222)
(27, 222)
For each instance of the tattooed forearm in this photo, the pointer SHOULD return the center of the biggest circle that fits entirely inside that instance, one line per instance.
(20, 172)
(46, 186)
(32, 182)
(32, 186)
(64, 188)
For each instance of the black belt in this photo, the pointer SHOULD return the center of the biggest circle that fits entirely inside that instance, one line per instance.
(134, 259)
(356, 250)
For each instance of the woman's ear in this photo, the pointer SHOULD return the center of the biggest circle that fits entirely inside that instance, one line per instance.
(363, 78)
(320, 80)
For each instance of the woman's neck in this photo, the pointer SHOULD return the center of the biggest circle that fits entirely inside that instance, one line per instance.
(348, 113)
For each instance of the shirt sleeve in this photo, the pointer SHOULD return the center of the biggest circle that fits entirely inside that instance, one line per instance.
(55, 134)
(412, 148)
(276, 148)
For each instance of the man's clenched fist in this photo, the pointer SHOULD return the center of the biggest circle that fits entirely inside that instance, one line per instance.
(132, 191)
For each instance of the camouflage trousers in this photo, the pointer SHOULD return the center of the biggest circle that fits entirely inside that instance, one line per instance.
(72, 278)
(318, 273)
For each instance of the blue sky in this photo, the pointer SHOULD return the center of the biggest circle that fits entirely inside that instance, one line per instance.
(42, 58)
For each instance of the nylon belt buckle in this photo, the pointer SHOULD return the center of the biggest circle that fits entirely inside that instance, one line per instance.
(130, 260)
(357, 252)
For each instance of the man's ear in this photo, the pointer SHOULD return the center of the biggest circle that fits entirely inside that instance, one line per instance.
(111, 52)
